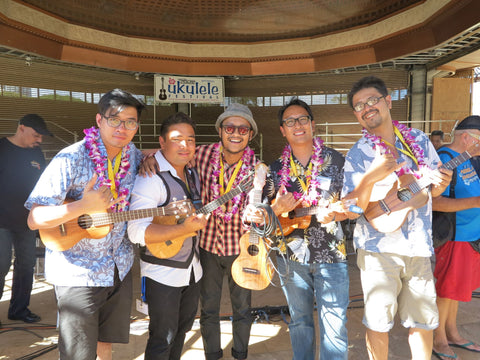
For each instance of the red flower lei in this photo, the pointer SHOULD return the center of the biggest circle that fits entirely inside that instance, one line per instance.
(215, 187)
(311, 196)
(92, 142)
(409, 139)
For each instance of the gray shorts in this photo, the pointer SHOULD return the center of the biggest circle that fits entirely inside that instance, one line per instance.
(391, 282)
(91, 314)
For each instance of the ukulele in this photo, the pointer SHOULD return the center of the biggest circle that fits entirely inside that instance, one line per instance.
(98, 225)
(169, 248)
(163, 94)
(252, 269)
(407, 193)
(301, 217)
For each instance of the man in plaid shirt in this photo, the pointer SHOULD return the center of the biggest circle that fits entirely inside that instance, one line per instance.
(221, 167)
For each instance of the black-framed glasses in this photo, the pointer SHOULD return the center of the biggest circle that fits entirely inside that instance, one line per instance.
(116, 122)
(242, 130)
(370, 102)
(302, 120)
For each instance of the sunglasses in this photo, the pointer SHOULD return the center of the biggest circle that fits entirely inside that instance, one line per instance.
(230, 129)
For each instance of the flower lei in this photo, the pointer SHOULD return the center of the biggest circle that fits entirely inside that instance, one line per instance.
(215, 186)
(409, 140)
(92, 145)
(311, 196)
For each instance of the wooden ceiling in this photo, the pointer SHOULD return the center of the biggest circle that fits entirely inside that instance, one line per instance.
(222, 21)
(237, 38)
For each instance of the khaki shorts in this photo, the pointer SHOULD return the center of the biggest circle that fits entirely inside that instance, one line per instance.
(392, 282)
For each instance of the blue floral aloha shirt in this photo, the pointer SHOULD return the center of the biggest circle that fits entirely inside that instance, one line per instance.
(90, 262)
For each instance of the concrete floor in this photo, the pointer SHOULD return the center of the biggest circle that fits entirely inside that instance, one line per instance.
(269, 337)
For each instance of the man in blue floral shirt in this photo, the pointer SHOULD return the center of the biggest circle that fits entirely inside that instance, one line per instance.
(93, 281)
(393, 254)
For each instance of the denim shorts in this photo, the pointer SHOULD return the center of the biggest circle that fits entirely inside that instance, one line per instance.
(392, 282)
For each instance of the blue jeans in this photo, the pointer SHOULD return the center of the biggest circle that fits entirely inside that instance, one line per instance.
(23, 243)
(327, 284)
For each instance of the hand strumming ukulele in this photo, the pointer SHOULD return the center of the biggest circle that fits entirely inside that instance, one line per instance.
(407, 193)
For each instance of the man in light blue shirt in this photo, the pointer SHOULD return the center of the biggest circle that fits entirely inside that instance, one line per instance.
(92, 278)
(394, 245)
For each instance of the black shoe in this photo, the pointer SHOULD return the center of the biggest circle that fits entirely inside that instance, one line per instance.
(29, 318)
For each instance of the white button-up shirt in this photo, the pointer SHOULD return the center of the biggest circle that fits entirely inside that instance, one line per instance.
(150, 192)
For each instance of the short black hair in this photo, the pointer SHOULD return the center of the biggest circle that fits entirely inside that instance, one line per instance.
(294, 102)
(437, 132)
(178, 118)
(367, 82)
(118, 100)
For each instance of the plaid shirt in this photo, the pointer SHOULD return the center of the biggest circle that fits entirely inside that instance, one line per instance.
(219, 237)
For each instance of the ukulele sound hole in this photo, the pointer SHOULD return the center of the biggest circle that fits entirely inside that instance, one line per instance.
(404, 194)
(85, 221)
(253, 250)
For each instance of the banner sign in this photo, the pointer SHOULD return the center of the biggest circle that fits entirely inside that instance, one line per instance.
(183, 89)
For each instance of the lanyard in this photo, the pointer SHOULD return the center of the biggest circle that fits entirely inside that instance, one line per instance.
(112, 172)
(408, 151)
(232, 179)
(293, 168)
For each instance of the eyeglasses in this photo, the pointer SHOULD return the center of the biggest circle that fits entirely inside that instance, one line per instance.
(370, 102)
(302, 120)
(475, 136)
(116, 122)
(242, 130)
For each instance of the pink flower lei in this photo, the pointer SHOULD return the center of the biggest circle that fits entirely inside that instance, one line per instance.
(311, 196)
(409, 139)
(242, 174)
(92, 145)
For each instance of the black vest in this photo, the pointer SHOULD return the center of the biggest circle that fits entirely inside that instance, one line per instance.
(176, 190)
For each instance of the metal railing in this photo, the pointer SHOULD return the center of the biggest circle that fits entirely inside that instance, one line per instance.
(329, 132)
(334, 135)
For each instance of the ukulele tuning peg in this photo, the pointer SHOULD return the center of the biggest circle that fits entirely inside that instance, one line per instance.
(174, 199)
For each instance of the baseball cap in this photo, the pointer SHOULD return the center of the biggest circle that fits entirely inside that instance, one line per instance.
(470, 122)
(36, 122)
(240, 110)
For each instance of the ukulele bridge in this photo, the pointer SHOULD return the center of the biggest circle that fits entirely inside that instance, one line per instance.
(250, 271)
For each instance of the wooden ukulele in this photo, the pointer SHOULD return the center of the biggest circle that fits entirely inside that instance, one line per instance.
(407, 193)
(98, 225)
(301, 217)
(252, 269)
(167, 249)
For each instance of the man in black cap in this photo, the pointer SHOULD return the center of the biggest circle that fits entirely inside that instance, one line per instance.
(21, 163)
(457, 266)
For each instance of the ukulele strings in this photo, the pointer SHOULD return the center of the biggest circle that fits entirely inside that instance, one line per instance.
(267, 231)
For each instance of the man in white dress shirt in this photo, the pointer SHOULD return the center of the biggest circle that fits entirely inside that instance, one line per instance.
(170, 286)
